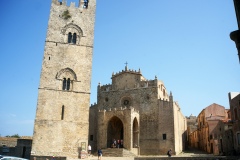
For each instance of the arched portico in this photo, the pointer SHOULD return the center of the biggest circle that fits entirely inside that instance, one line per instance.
(135, 133)
(115, 131)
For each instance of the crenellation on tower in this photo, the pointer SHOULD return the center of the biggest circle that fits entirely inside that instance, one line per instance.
(81, 3)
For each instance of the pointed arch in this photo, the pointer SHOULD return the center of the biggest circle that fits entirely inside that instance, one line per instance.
(135, 133)
(115, 131)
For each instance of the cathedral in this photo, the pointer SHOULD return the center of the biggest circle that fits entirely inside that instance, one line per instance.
(133, 113)
(138, 112)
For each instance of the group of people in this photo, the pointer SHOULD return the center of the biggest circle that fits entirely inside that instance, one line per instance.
(169, 153)
(117, 143)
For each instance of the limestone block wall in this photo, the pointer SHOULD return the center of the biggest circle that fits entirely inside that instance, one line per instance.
(93, 127)
(23, 148)
(234, 99)
(180, 129)
(166, 126)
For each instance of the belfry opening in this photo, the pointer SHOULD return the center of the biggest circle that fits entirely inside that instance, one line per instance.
(115, 132)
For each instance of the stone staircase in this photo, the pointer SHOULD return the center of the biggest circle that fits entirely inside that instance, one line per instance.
(117, 152)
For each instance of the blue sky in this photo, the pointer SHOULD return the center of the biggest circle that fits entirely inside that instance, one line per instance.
(184, 43)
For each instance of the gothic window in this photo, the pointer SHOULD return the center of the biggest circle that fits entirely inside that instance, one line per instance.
(66, 84)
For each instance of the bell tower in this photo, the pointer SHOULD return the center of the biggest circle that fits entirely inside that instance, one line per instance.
(62, 115)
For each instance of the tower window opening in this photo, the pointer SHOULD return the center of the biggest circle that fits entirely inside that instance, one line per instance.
(66, 84)
(69, 37)
(72, 38)
(85, 4)
(62, 115)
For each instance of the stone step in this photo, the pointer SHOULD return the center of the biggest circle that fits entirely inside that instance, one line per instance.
(117, 152)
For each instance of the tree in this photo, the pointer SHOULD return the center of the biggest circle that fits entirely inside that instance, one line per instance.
(14, 136)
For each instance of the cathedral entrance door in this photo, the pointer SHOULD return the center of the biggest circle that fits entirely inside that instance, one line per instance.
(115, 132)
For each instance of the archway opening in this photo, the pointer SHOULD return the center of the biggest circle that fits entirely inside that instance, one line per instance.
(115, 133)
(135, 133)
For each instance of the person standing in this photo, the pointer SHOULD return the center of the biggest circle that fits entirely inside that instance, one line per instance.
(89, 150)
(99, 154)
(169, 153)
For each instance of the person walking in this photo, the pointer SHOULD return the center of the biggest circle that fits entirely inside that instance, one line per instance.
(89, 150)
(99, 154)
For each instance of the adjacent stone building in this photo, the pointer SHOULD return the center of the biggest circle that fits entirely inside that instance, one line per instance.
(138, 112)
(61, 123)
(212, 134)
(18, 147)
(191, 127)
(234, 102)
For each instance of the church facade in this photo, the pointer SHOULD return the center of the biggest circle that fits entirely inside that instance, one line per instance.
(139, 113)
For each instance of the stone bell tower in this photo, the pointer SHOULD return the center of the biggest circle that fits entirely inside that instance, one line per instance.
(61, 123)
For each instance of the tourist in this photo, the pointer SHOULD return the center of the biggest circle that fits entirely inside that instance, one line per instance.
(89, 149)
(169, 153)
(99, 154)
(121, 143)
